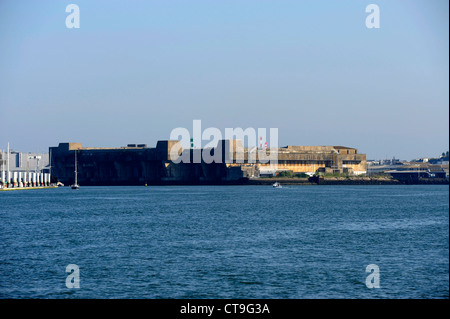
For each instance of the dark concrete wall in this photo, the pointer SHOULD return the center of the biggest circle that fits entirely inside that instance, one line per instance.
(132, 166)
(107, 167)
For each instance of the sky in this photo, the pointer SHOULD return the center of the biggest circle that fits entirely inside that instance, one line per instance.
(136, 70)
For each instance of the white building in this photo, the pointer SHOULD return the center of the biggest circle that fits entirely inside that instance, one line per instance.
(20, 169)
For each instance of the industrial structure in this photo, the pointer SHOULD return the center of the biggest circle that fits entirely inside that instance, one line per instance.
(419, 172)
(137, 164)
(20, 169)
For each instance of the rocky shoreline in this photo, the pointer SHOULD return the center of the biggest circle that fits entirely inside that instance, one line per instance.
(343, 181)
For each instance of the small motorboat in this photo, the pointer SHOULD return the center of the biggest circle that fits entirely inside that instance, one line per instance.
(276, 185)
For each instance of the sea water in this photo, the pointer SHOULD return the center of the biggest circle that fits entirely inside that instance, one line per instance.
(226, 242)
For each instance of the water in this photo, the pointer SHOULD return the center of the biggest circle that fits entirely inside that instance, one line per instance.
(226, 242)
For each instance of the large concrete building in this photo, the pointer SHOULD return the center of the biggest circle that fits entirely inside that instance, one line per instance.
(321, 159)
(168, 163)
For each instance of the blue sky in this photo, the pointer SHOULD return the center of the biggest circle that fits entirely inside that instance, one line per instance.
(135, 70)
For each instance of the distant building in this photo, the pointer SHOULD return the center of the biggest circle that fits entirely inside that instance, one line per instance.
(381, 166)
(24, 162)
(24, 169)
(138, 164)
(417, 171)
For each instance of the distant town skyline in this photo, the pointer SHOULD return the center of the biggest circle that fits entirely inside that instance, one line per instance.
(134, 71)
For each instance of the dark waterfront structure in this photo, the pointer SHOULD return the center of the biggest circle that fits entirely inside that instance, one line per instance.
(420, 176)
(137, 164)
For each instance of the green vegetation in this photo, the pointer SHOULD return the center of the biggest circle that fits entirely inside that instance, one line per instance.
(334, 175)
(291, 174)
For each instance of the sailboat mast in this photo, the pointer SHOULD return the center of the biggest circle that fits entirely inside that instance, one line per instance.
(76, 182)
(3, 168)
(8, 174)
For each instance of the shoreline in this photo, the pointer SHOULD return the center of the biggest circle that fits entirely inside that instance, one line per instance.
(343, 181)
(270, 181)
(24, 188)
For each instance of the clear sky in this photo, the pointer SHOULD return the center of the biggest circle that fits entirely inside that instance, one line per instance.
(135, 70)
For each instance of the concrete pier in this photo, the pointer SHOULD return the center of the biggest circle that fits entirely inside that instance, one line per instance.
(22, 180)
(25, 188)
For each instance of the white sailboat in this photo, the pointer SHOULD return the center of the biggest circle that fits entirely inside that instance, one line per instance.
(75, 185)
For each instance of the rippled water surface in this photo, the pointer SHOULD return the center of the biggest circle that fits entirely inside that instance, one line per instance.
(225, 242)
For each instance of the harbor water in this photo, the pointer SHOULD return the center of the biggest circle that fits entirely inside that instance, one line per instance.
(226, 242)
